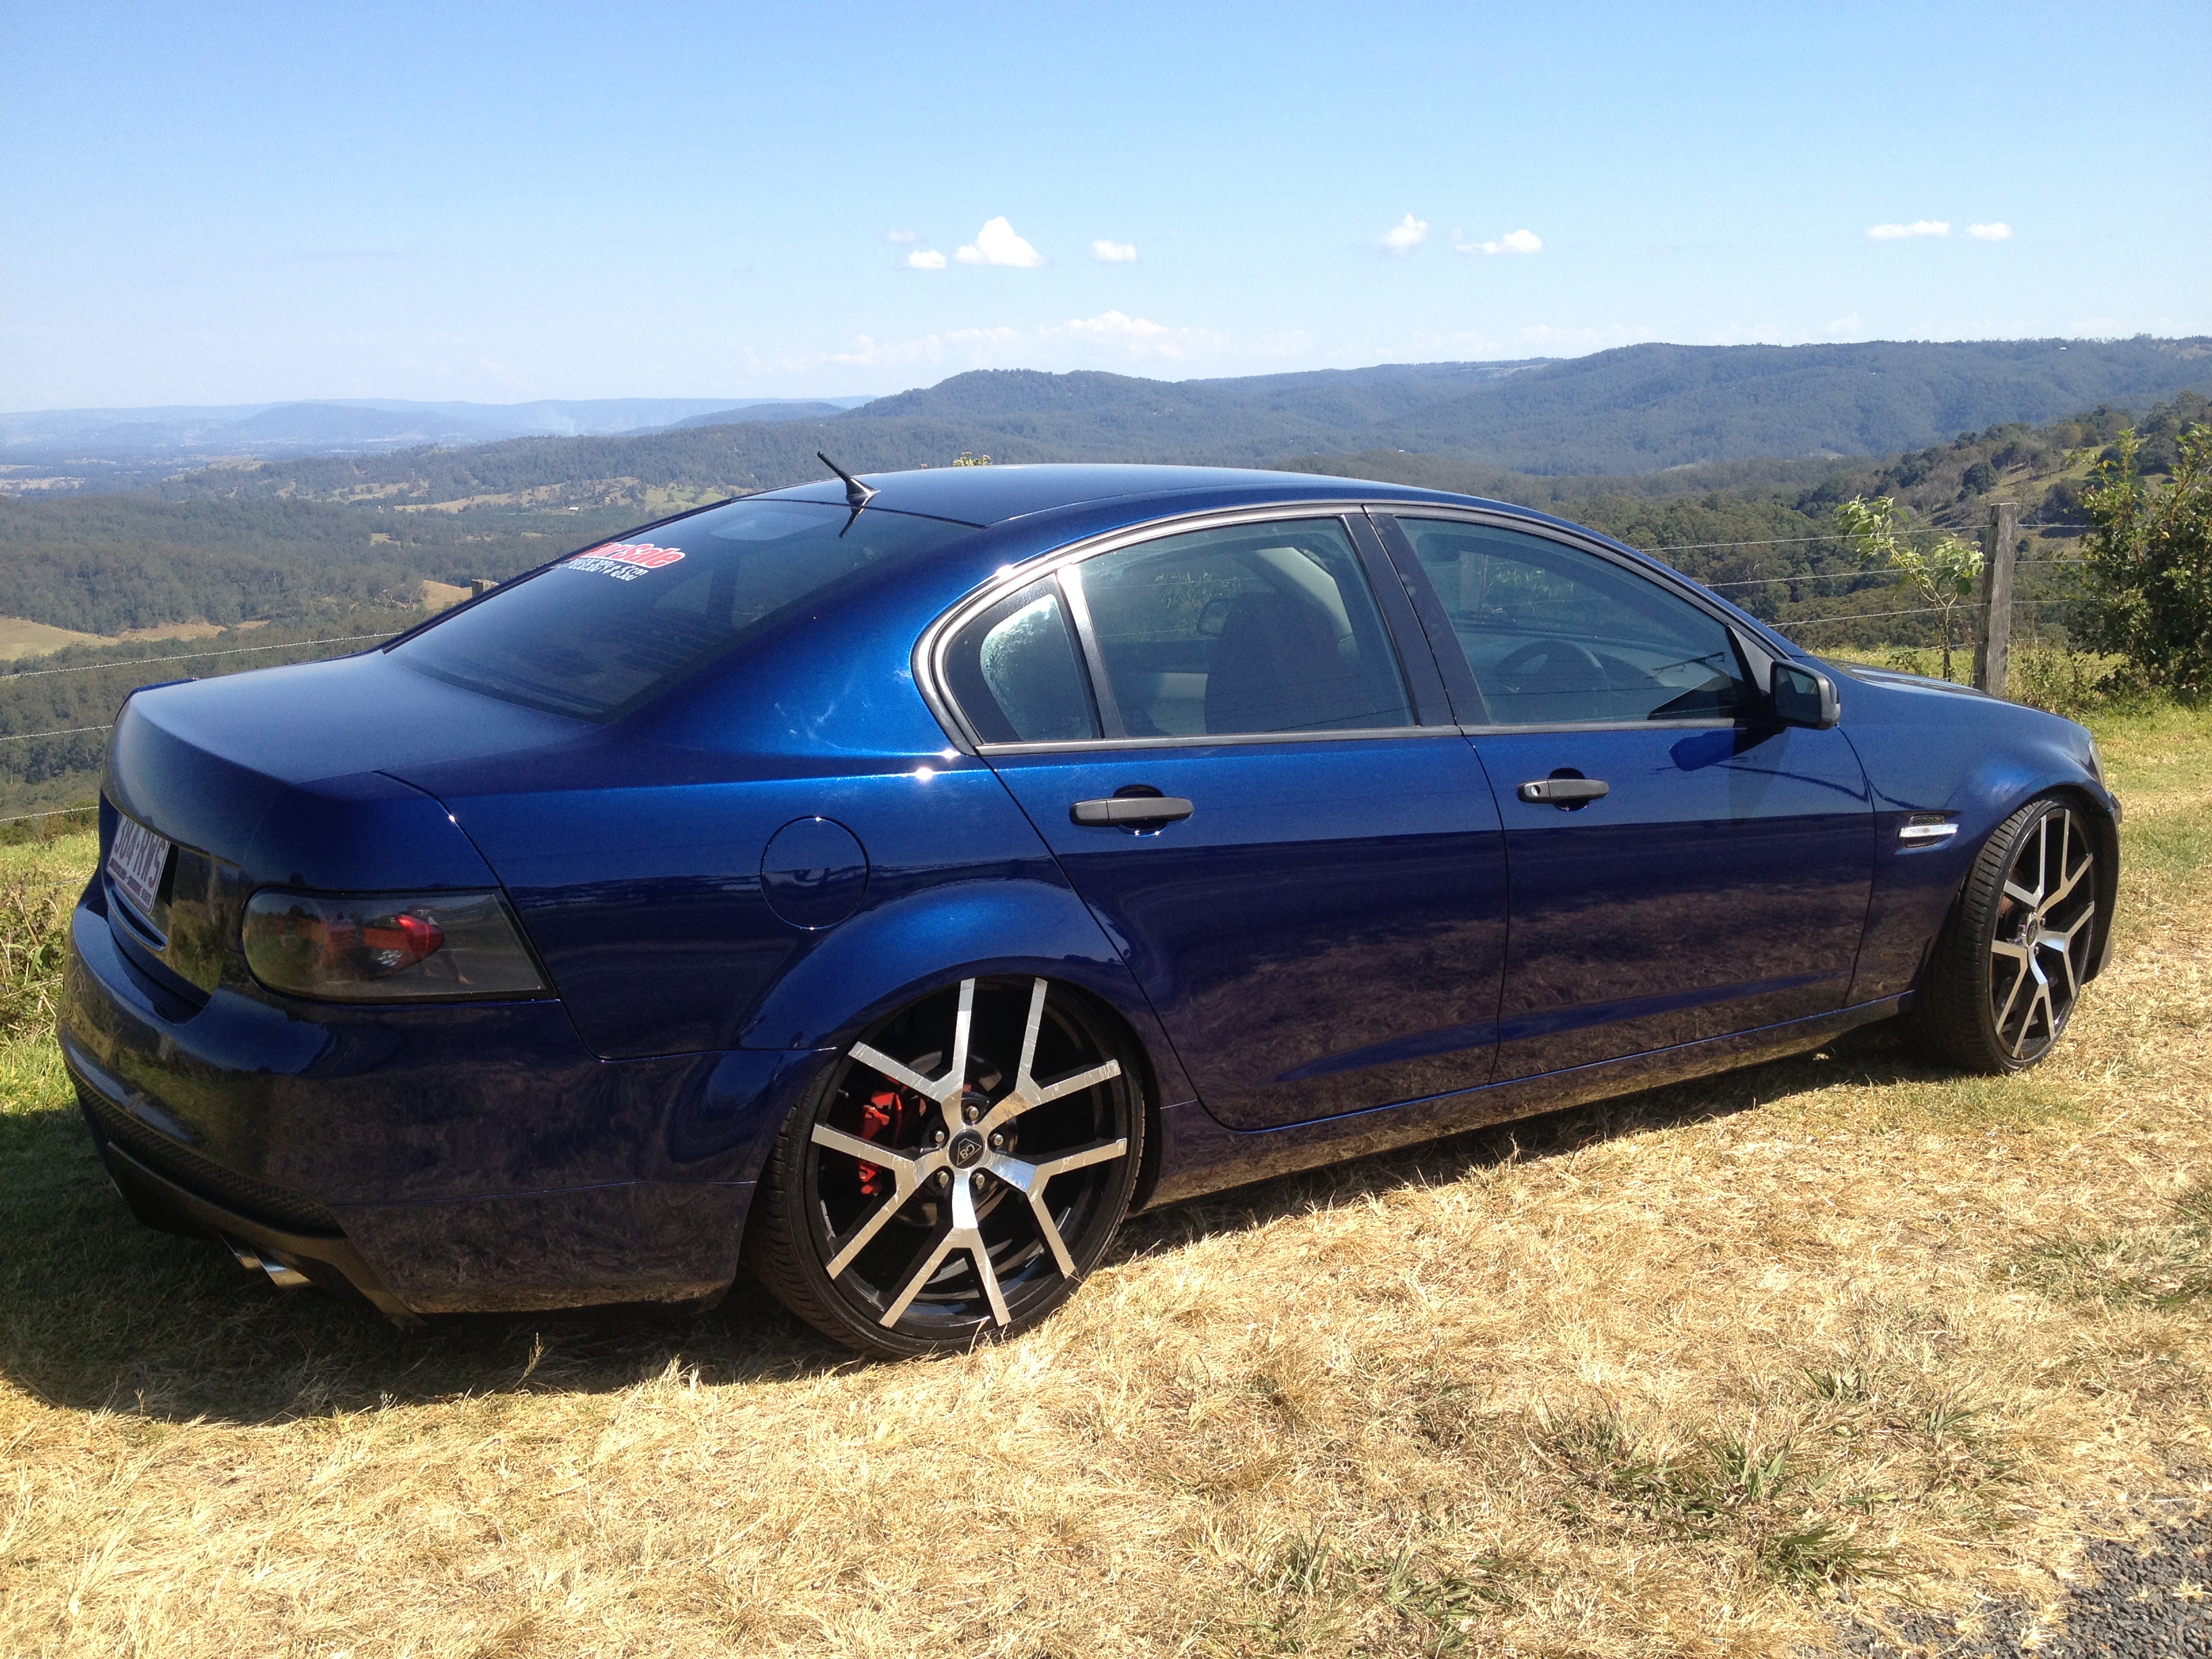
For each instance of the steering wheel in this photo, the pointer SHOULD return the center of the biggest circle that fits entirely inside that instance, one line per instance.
(1554, 668)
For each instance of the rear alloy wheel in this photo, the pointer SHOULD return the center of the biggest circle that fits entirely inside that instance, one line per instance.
(931, 1191)
(2006, 974)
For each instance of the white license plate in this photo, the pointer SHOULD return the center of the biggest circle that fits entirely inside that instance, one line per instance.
(134, 864)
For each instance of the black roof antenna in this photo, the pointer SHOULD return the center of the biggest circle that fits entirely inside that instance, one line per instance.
(857, 494)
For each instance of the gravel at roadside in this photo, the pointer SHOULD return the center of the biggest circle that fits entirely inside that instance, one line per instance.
(2146, 1598)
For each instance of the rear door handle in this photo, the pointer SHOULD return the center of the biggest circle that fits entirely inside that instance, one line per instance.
(1563, 792)
(1131, 809)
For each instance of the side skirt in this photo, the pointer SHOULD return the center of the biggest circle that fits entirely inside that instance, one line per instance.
(1199, 1154)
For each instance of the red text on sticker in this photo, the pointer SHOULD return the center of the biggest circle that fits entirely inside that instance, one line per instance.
(626, 561)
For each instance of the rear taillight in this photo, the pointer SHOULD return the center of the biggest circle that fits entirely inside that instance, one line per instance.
(387, 947)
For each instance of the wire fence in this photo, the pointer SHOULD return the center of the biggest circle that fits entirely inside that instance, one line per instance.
(50, 770)
(71, 764)
(186, 656)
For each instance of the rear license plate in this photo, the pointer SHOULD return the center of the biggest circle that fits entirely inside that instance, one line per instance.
(135, 865)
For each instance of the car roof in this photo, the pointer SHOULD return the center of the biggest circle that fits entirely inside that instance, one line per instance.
(985, 496)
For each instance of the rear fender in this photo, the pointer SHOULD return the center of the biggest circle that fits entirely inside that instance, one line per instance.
(886, 957)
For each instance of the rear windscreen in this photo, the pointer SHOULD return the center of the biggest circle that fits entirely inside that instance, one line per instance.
(601, 631)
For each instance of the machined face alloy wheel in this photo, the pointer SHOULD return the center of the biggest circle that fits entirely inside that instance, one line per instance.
(968, 1162)
(2045, 919)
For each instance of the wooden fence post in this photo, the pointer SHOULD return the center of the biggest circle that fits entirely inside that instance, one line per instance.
(1993, 642)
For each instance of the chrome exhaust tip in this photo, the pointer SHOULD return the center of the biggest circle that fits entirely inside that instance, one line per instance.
(281, 1272)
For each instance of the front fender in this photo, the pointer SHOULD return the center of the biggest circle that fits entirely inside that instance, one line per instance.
(1977, 760)
(886, 957)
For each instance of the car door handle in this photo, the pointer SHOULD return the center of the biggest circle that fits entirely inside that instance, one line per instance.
(1563, 792)
(1131, 809)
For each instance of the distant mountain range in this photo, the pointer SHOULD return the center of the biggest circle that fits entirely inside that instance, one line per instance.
(1638, 410)
(341, 426)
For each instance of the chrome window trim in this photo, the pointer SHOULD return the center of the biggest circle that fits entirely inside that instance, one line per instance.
(928, 657)
(1553, 728)
(1068, 580)
(1360, 734)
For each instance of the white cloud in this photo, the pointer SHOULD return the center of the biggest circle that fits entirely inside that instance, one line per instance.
(996, 244)
(1406, 235)
(901, 236)
(925, 258)
(1111, 337)
(1845, 324)
(1917, 228)
(1999, 232)
(1513, 241)
(1114, 253)
(1113, 325)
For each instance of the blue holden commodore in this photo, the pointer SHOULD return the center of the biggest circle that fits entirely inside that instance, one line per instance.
(886, 887)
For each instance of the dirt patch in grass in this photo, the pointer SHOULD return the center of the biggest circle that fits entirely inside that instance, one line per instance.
(1695, 1372)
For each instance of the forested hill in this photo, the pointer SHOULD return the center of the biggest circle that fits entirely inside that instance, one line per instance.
(1642, 408)
(1639, 408)
(103, 564)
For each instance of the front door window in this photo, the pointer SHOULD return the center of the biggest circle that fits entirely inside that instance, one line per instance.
(1555, 636)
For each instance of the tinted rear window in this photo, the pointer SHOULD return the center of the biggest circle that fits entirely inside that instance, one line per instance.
(603, 631)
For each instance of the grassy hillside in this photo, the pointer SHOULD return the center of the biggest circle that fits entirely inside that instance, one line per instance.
(1710, 1370)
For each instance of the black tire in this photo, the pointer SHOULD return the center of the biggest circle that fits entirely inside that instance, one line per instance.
(2008, 967)
(957, 1196)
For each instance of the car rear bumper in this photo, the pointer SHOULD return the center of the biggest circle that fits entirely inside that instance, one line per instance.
(329, 1261)
(435, 1159)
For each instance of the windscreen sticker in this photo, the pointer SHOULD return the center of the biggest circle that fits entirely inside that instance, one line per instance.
(625, 561)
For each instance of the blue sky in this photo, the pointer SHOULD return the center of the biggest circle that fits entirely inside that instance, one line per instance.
(496, 202)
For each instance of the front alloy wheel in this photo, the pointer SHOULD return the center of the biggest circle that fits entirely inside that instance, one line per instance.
(2006, 974)
(932, 1190)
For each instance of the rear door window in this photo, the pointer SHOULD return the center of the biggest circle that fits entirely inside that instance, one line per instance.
(605, 630)
(1245, 631)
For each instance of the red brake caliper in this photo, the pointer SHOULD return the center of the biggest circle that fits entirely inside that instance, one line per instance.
(884, 1118)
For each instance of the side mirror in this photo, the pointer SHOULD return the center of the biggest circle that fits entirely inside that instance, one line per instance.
(1215, 617)
(1805, 696)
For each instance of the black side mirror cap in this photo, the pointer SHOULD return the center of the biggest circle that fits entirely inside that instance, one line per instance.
(1805, 696)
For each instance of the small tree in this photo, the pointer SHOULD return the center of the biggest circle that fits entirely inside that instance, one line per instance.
(2149, 554)
(968, 458)
(1942, 573)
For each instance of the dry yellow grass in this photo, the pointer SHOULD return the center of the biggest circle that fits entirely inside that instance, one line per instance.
(1651, 1378)
(21, 638)
(440, 596)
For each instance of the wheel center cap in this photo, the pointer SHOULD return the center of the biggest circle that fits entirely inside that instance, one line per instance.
(966, 1150)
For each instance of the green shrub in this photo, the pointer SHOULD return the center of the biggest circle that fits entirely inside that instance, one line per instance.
(2074, 683)
(2148, 558)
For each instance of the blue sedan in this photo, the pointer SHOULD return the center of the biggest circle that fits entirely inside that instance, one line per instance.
(887, 885)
